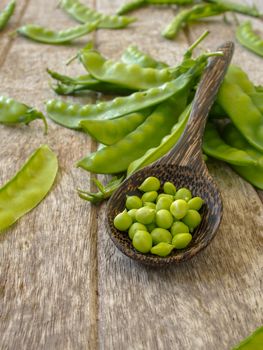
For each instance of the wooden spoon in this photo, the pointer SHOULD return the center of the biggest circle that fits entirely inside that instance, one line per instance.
(184, 166)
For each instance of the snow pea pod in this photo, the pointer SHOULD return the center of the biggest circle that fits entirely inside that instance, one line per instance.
(252, 173)
(132, 76)
(6, 13)
(214, 146)
(28, 187)
(84, 14)
(253, 342)
(14, 112)
(48, 36)
(133, 55)
(67, 85)
(70, 115)
(249, 39)
(116, 158)
(257, 98)
(193, 14)
(242, 111)
(166, 144)
(237, 7)
(109, 132)
(135, 4)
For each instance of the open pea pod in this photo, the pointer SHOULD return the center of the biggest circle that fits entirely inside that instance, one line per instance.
(214, 146)
(13, 112)
(251, 173)
(28, 187)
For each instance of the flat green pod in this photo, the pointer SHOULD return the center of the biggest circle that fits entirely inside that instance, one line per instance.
(28, 187)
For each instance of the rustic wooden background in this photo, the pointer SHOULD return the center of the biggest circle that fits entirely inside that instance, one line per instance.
(63, 284)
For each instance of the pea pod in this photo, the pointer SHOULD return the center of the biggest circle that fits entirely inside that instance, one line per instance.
(214, 146)
(253, 342)
(193, 14)
(13, 112)
(249, 39)
(166, 144)
(242, 111)
(128, 75)
(116, 158)
(6, 13)
(237, 7)
(48, 36)
(252, 173)
(28, 187)
(84, 14)
(133, 55)
(109, 132)
(70, 115)
(135, 4)
(257, 98)
(67, 85)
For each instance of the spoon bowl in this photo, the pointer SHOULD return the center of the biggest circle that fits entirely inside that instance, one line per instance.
(184, 166)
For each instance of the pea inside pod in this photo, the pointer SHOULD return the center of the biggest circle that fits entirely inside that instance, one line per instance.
(28, 187)
(134, 55)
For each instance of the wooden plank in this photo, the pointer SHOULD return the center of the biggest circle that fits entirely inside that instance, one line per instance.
(211, 302)
(48, 268)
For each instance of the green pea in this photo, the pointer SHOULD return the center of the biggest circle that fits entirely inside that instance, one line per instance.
(192, 219)
(179, 208)
(122, 221)
(133, 202)
(164, 195)
(150, 184)
(149, 196)
(181, 240)
(162, 249)
(183, 193)
(142, 241)
(164, 203)
(145, 215)
(132, 213)
(169, 188)
(179, 227)
(161, 235)
(150, 205)
(164, 218)
(151, 227)
(195, 203)
(136, 227)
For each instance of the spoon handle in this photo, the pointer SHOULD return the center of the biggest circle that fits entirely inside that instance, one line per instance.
(188, 149)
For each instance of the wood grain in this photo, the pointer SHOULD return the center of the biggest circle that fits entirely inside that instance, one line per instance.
(63, 284)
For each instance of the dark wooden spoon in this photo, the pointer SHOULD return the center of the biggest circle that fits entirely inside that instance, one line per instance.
(185, 167)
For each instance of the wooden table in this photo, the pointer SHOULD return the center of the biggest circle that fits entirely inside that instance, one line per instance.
(63, 284)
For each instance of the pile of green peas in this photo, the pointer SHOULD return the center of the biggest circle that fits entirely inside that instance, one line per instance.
(160, 220)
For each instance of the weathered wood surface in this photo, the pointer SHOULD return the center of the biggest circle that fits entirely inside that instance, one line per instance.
(63, 284)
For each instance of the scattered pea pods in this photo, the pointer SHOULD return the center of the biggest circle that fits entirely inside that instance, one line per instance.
(28, 187)
(214, 146)
(84, 14)
(48, 36)
(116, 158)
(249, 39)
(70, 115)
(14, 112)
(109, 132)
(166, 144)
(252, 127)
(6, 13)
(134, 55)
(252, 173)
(132, 76)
